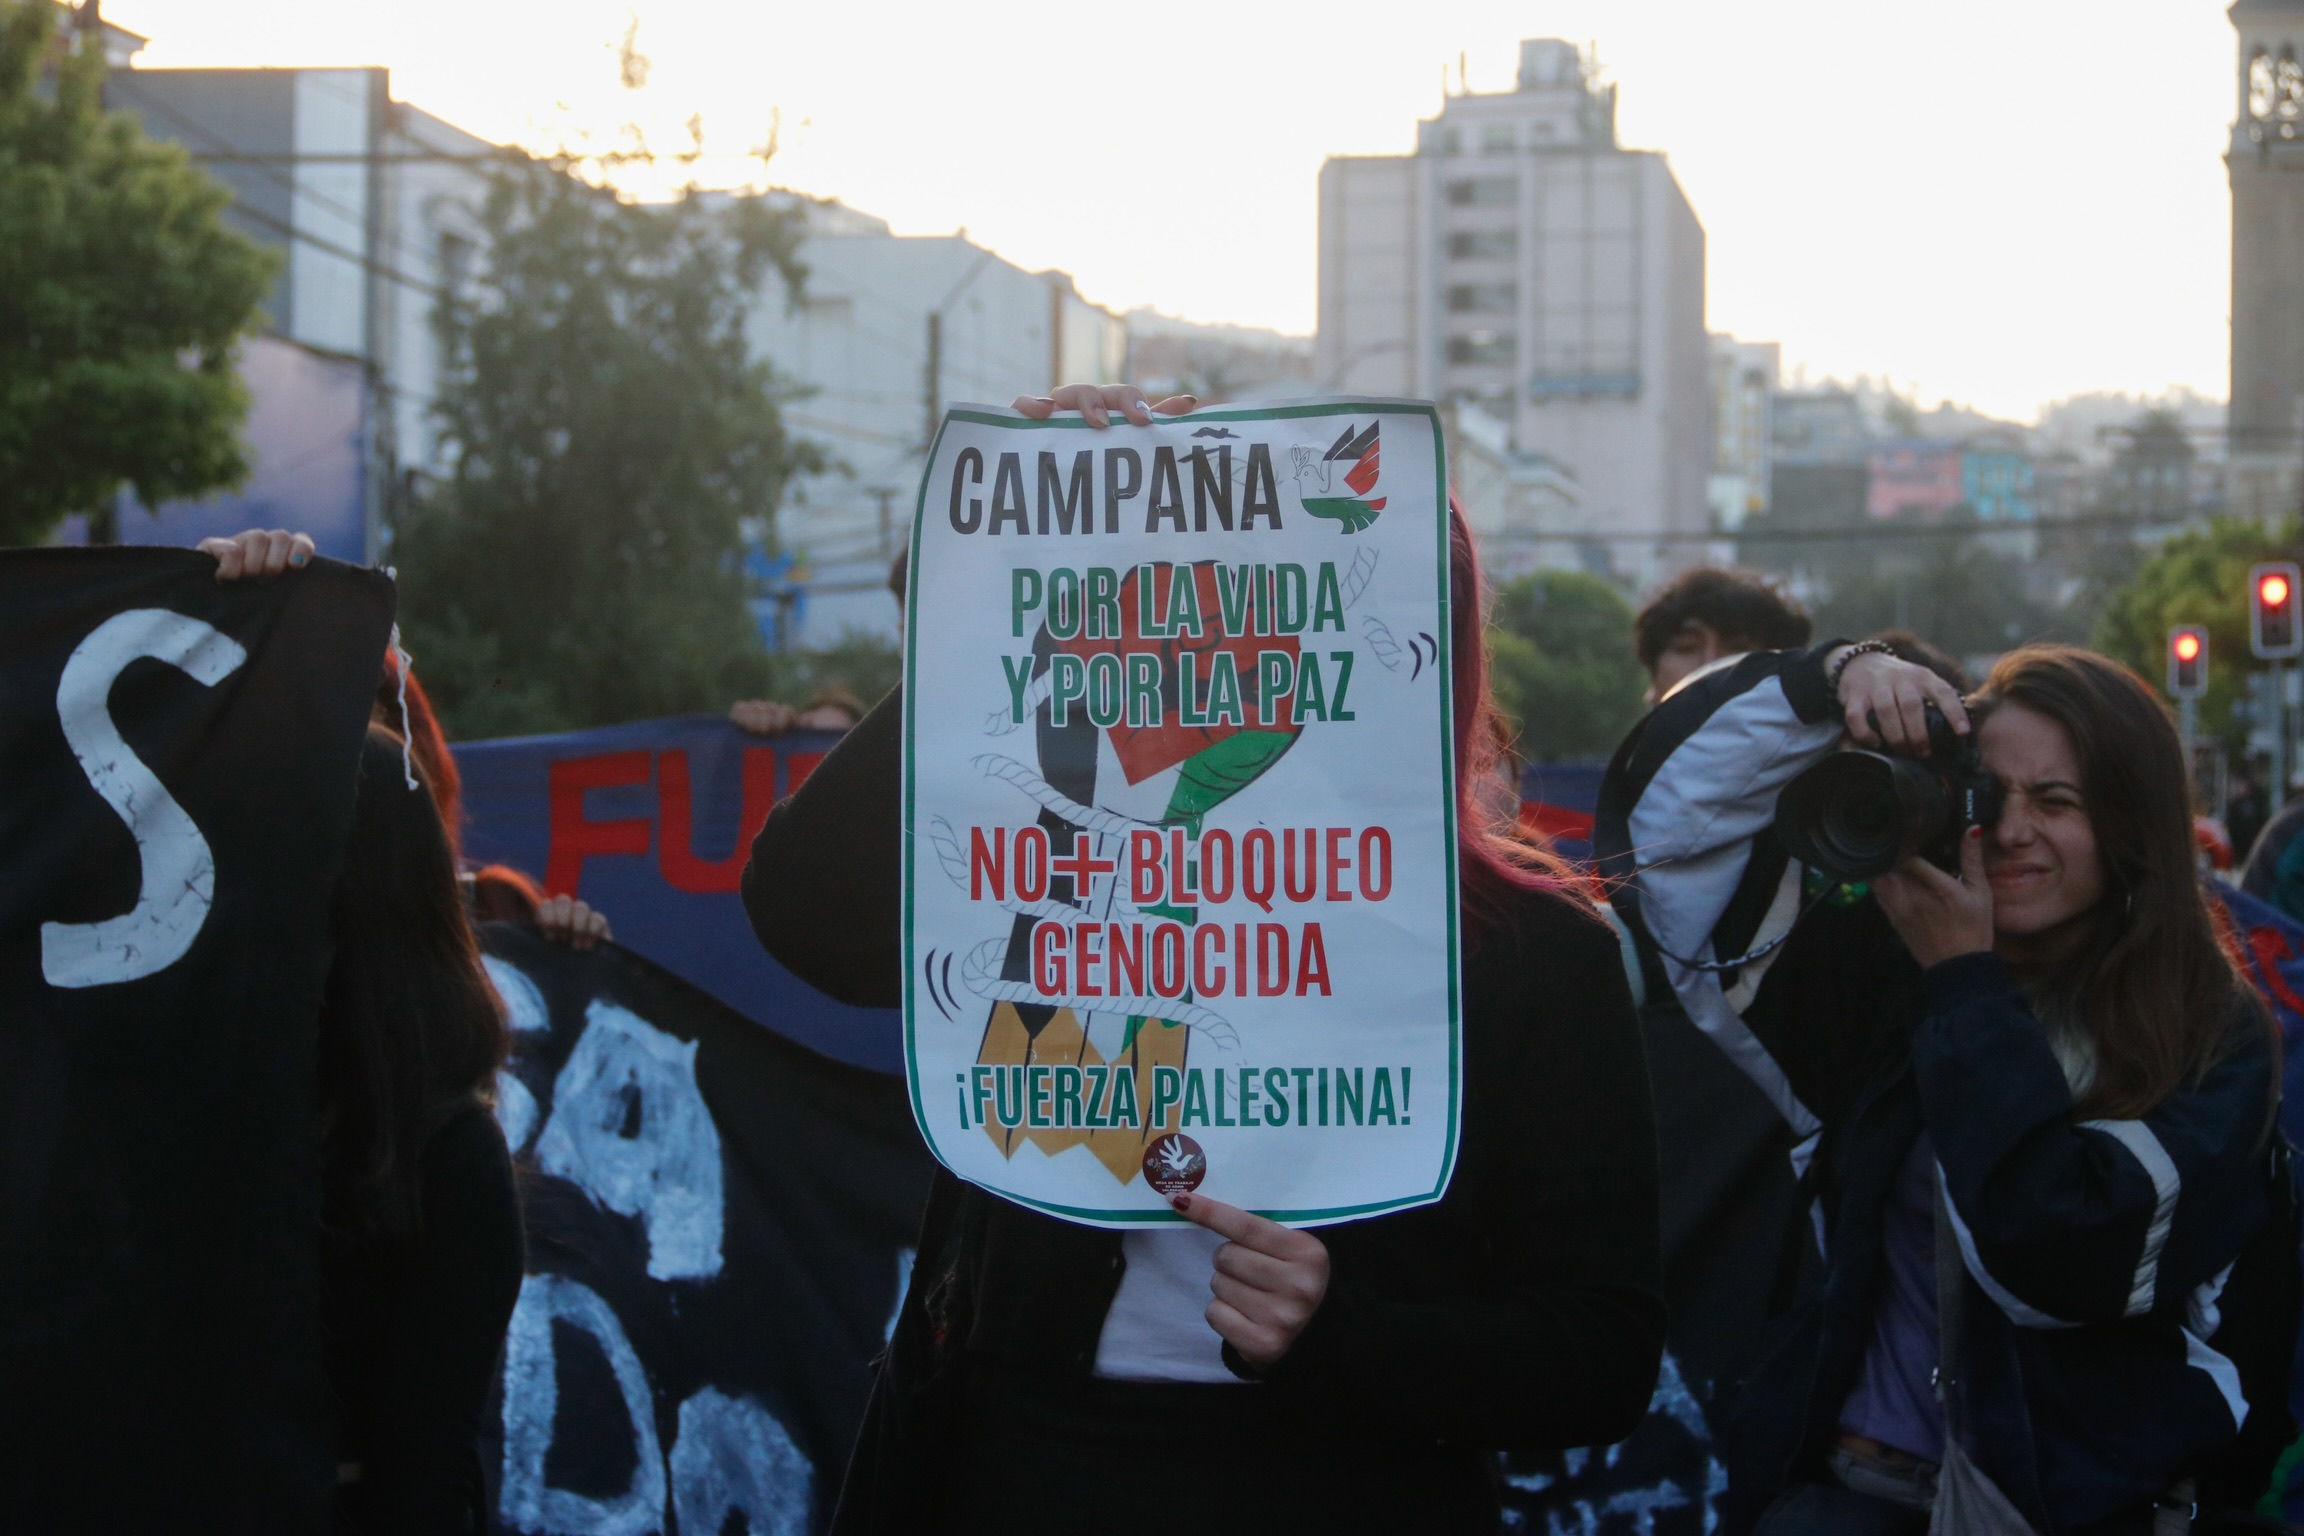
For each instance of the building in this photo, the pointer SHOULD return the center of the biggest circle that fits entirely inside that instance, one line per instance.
(1913, 477)
(371, 203)
(1997, 477)
(1744, 382)
(1522, 259)
(887, 332)
(2266, 464)
(1219, 364)
(1523, 507)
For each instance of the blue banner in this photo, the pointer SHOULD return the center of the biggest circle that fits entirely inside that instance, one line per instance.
(651, 823)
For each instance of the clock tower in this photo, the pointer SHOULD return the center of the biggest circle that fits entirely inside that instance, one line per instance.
(2267, 167)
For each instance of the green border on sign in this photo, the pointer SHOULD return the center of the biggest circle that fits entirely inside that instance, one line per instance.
(1444, 665)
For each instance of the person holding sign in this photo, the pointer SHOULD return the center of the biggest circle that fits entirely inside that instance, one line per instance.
(421, 1248)
(1102, 1365)
(420, 1230)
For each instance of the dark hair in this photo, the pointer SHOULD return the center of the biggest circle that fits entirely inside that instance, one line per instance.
(1908, 646)
(410, 1027)
(1492, 862)
(1748, 611)
(2154, 988)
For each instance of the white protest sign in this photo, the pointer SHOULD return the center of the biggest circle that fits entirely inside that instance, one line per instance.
(1180, 890)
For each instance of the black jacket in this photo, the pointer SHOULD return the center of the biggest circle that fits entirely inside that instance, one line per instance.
(2101, 1254)
(1521, 1310)
(415, 1333)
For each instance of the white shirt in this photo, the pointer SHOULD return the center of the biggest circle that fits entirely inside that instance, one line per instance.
(1157, 1329)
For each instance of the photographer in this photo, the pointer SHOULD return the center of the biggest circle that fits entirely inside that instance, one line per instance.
(2045, 1057)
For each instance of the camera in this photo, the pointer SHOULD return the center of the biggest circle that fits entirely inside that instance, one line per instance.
(1857, 815)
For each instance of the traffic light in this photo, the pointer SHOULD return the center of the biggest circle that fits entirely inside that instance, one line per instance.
(2275, 611)
(2188, 661)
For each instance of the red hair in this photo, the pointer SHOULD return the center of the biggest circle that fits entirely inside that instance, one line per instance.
(1493, 862)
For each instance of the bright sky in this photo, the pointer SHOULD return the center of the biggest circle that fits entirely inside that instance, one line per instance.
(2000, 202)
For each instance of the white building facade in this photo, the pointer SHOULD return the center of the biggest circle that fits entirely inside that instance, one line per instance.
(1522, 260)
(887, 333)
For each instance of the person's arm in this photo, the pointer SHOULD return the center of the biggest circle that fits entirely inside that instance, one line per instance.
(1682, 815)
(1685, 820)
(2065, 1221)
(445, 1335)
(824, 886)
(1563, 1350)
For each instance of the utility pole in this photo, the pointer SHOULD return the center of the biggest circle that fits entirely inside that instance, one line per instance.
(886, 496)
(935, 360)
(935, 379)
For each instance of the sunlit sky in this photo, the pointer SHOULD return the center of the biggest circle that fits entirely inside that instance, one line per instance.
(1997, 202)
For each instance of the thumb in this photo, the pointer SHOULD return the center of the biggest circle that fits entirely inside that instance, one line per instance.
(1972, 857)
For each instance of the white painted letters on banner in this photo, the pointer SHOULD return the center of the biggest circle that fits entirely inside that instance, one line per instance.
(177, 884)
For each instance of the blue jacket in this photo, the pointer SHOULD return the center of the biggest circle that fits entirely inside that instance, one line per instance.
(2097, 1251)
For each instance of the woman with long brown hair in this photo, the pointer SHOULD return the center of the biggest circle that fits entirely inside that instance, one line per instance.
(420, 1223)
(2036, 1094)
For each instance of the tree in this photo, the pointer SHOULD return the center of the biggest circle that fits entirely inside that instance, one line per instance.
(611, 433)
(122, 296)
(1563, 664)
(2197, 577)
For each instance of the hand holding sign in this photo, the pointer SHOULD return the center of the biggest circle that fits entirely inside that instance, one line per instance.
(1097, 402)
(1269, 1279)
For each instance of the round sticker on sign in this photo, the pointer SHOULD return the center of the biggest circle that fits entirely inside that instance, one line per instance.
(1174, 1165)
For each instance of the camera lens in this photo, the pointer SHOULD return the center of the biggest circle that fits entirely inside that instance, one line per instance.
(1860, 827)
(1857, 815)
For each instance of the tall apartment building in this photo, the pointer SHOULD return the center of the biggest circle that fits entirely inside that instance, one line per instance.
(2266, 465)
(1523, 260)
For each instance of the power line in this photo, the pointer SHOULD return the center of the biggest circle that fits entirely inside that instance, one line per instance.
(1846, 533)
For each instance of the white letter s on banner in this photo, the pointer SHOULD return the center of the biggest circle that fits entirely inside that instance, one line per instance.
(179, 873)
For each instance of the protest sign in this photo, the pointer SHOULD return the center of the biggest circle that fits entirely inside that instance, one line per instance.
(1180, 901)
(720, 1227)
(651, 822)
(176, 777)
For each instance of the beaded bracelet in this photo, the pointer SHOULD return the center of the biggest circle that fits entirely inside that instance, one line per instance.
(1860, 648)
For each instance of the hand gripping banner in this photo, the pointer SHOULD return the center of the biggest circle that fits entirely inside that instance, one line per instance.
(177, 758)
(1180, 894)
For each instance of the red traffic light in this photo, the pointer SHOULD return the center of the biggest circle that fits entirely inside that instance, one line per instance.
(2275, 612)
(2187, 661)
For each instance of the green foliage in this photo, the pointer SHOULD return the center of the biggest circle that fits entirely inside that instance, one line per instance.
(121, 296)
(2197, 577)
(611, 433)
(1562, 663)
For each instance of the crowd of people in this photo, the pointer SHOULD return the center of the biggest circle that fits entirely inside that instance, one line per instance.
(2039, 1241)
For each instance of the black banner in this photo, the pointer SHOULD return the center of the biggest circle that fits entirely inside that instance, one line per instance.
(177, 760)
(720, 1227)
